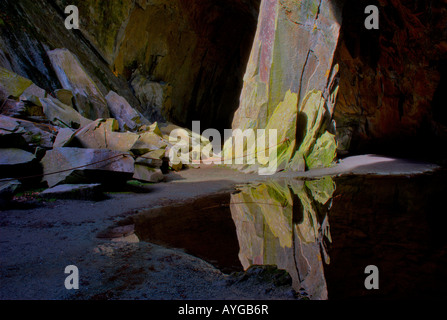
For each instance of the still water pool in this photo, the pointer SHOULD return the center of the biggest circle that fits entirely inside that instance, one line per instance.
(323, 232)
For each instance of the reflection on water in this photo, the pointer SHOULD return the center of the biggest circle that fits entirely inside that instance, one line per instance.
(395, 223)
(285, 223)
(323, 232)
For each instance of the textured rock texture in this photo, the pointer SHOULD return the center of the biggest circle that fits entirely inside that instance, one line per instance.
(392, 80)
(289, 84)
(30, 28)
(196, 51)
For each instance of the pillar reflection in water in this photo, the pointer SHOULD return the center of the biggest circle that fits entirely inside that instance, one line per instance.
(285, 223)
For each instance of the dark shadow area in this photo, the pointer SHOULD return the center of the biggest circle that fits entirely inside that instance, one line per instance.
(394, 223)
(228, 29)
(391, 81)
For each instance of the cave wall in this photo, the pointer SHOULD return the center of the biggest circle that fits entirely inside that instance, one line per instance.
(30, 28)
(185, 60)
(195, 51)
(391, 79)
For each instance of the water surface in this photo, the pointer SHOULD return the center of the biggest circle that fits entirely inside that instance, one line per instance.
(324, 232)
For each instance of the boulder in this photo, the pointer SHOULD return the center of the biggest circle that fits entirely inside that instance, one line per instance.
(74, 192)
(147, 142)
(23, 109)
(25, 134)
(7, 124)
(147, 174)
(62, 115)
(16, 163)
(13, 84)
(102, 134)
(90, 102)
(76, 165)
(64, 137)
(152, 128)
(13, 108)
(11, 135)
(153, 159)
(38, 135)
(65, 96)
(128, 118)
(11, 157)
(32, 94)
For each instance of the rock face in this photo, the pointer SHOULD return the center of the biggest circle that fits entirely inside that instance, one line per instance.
(290, 80)
(392, 79)
(285, 223)
(195, 51)
(30, 28)
(75, 165)
(89, 100)
(179, 61)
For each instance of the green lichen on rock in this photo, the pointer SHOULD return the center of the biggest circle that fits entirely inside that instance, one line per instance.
(13, 84)
(323, 153)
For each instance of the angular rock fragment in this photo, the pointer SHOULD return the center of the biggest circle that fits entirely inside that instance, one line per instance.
(90, 102)
(152, 128)
(76, 165)
(147, 174)
(22, 109)
(25, 134)
(153, 159)
(13, 84)
(8, 124)
(128, 118)
(62, 115)
(64, 137)
(102, 134)
(12, 157)
(38, 135)
(65, 96)
(11, 135)
(33, 93)
(15, 163)
(147, 142)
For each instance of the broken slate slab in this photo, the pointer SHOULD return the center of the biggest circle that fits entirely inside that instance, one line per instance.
(75, 192)
(128, 118)
(80, 166)
(147, 174)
